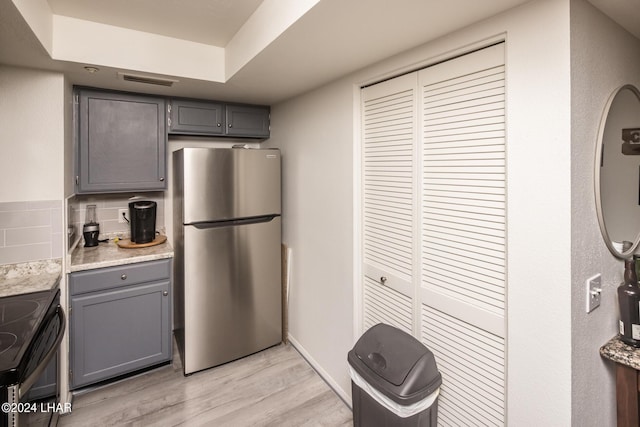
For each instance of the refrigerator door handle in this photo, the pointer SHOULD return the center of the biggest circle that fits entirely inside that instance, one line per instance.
(233, 222)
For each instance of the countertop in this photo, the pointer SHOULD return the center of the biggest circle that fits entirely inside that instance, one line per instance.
(109, 254)
(29, 277)
(619, 352)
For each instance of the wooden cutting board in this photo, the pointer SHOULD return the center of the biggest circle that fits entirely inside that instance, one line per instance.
(128, 244)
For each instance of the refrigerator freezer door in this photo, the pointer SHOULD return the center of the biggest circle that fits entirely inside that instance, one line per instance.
(221, 184)
(232, 292)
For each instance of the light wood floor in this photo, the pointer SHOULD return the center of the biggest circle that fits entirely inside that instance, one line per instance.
(275, 387)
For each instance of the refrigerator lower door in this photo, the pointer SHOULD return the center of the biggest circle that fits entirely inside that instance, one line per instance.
(232, 292)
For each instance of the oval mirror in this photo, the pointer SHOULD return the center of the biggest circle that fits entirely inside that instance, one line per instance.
(617, 172)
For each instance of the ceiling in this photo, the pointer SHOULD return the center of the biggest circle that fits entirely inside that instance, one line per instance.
(212, 22)
(625, 12)
(325, 40)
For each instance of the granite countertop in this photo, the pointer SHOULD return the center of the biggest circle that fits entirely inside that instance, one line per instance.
(109, 254)
(619, 352)
(29, 277)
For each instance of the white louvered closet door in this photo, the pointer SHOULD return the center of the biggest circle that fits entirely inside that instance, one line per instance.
(434, 224)
(463, 233)
(389, 152)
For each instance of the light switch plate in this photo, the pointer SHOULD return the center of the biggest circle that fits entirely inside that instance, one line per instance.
(594, 292)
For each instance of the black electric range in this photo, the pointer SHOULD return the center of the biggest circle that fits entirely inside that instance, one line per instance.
(31, 328)
(20, 318)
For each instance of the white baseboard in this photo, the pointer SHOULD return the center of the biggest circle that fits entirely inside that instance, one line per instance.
(323, 374)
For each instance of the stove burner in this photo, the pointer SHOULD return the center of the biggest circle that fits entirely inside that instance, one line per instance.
(11, 311)
(7, 340)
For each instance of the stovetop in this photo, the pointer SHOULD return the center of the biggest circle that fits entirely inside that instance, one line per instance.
(20, 318)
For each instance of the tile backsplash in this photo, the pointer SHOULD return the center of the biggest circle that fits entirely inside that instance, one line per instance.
(30, 231)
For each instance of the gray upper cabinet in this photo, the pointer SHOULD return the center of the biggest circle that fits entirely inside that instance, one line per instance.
(195, 117)
(247, 121)
(122, 142)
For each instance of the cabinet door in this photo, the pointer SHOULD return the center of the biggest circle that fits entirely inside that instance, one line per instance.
(389, 221)
(119, 331)
(195, 118)
(247, 121)
(122, 142)
(462, 284)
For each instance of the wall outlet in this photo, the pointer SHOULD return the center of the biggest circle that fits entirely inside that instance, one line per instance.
(122, 214)
(594, 292)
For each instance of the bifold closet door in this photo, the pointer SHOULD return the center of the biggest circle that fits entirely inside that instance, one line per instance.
(389, 149)
(463, 233)
(434, 223)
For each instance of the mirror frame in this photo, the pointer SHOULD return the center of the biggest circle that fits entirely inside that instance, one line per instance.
(599, 148)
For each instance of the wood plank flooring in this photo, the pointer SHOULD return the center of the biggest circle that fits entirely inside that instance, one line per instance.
(275, 387)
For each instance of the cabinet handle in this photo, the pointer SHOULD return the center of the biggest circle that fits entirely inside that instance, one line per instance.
(165, 293)
(229, 124)
(161, 179)
(219, 124)
(383, 279)
(123, 277)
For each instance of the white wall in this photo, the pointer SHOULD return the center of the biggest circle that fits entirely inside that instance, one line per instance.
(32, 108)
(37, 151)
(316, 134)
(604, 56)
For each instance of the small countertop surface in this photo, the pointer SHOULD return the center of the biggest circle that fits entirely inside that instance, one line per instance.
(109, 254)
(619, 352)
(29, 277)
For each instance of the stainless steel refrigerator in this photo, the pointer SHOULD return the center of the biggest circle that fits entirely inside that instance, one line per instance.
(227, 239)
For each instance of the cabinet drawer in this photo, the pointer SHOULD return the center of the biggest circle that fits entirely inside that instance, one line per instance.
(122, 275)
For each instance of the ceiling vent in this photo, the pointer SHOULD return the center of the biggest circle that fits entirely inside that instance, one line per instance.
(137, 78)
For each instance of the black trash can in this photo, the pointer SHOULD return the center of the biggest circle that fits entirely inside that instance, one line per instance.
(394, 380)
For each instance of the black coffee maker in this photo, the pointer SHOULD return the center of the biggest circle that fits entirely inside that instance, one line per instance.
(143, 221)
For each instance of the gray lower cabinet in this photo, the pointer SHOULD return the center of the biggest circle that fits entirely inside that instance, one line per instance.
(121, 142)
(120, 320)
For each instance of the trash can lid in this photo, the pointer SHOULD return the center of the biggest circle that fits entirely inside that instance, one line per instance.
(395, 363)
